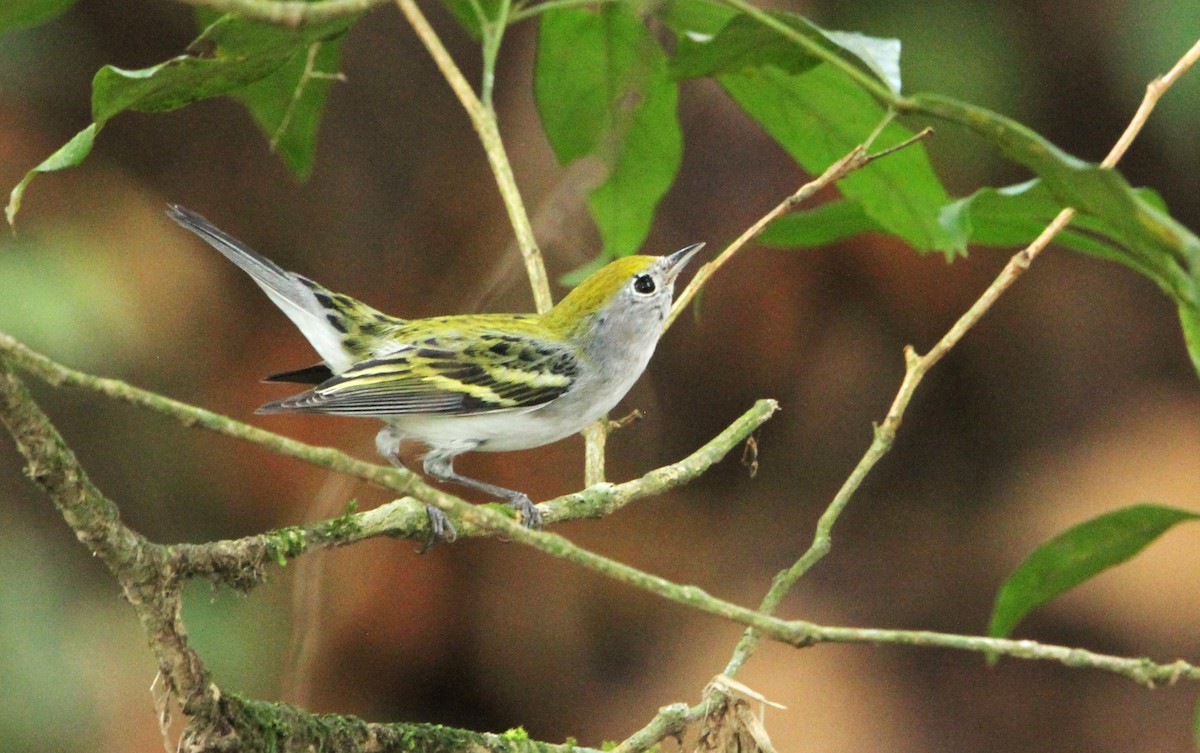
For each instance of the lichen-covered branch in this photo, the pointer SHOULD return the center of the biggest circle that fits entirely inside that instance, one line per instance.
(239, 563)
(138, 564)
(399, 519)
(150, 575)
(239, 724)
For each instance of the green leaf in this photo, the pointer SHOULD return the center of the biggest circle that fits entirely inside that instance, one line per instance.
(464, 11)
(880, 56)
(743, 43)
(17, 13)
(818, 117)
(828, 223)
(68, 155)
(604, 92)
(1076, 555)
(695, 18)
(1189, 320)
(287, 105)
(1015, 215)
(747, 42)
(228, 56)
(1151, 241)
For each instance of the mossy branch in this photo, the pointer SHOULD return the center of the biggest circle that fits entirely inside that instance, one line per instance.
(239, 724)
(140, 566)
(399, 518)
(151, 574)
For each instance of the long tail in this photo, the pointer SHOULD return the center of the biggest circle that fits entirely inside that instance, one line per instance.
(298, 297)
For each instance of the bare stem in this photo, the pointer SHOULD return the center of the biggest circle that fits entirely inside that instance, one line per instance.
(856, 159)
(483, 118)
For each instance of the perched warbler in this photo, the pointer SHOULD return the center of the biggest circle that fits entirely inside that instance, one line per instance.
(486, 382)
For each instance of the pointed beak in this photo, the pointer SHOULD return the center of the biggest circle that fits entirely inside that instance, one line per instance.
(678, 260)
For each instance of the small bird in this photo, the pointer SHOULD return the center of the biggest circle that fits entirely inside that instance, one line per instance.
(474, 382)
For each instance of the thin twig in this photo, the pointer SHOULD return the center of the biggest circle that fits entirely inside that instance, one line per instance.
(1154, 90)
(483, 118)
(856, 159)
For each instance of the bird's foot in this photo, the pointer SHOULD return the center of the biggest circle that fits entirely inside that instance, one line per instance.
(530, 515)
(440, 529)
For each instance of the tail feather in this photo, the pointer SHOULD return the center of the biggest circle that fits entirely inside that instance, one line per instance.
(293, 294)
(314, 374)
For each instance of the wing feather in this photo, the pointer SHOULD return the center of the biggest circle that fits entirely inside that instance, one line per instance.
(468, 371)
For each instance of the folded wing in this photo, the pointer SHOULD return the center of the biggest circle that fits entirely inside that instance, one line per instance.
(461, 373)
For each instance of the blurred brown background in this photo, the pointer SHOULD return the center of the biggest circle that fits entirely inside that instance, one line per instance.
(1074, 396)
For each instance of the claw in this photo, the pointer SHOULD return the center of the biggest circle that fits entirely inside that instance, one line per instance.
(531, 516)
(440, 529)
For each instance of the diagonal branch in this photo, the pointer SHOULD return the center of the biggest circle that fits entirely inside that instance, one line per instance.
(917, 365)
(856, 159)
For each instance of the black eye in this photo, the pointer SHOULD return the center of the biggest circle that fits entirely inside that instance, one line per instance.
(644, 284)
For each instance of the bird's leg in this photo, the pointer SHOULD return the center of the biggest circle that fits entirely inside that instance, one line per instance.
(387, 442)
(441, 467)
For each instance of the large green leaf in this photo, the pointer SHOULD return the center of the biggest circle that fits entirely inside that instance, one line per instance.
(1015, 215)
(820, 115)
(604, 92)
(742, 43)
(17, 13)
(228, 56)
(747, 42)
(1076, 555)
(695, 18)
(1150, 240)
(1006, 217)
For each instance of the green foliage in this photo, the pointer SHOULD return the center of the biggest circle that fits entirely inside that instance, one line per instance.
(607, 90)
(1149, 239)
(745, 42)
(1015, 215)
(818, 117)
(604, 91)
(262, 65)
(286, 543)
(1077, 555)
